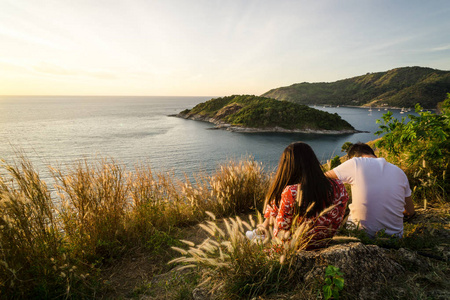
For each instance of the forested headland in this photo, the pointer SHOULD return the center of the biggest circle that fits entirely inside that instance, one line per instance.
(400, 87)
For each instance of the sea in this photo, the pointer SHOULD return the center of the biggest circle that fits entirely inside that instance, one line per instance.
(60, 131)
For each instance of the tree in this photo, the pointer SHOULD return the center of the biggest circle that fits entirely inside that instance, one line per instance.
(422, 145)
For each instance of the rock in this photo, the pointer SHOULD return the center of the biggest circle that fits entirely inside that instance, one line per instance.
(411, 260)
(200, 294)
(365, 267)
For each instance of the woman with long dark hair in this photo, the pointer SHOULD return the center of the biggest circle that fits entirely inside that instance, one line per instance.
(300, 189)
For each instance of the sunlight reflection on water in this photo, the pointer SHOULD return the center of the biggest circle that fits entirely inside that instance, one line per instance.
(132, 130)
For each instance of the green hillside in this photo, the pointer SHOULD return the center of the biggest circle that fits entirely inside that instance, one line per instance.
(401, 87)
(261, 112)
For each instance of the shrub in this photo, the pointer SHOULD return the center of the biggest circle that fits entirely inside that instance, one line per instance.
(346, 146)
(336, 161)
(422, 147)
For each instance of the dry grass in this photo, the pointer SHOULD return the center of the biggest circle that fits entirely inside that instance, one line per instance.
(33, 257)
(233, 266)
(94, 207)
(49, 244)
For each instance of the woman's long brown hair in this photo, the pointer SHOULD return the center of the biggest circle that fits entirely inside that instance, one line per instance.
(299, 165)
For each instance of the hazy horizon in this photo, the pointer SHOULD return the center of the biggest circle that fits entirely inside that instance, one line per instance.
(210, 48)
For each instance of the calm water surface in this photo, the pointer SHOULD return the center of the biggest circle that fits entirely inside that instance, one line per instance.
(59, 131)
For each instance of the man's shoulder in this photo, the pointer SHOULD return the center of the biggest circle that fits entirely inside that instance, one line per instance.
(390, 165)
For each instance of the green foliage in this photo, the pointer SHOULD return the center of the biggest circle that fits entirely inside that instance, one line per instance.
(444, 106)
(422, 146)
(160, 241)
(334, 282)
(261, 112)
(336, 161)
(401, 87)
(427, 234)
(346, 146)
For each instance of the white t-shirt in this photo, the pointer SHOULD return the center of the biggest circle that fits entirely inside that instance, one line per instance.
(379, 189)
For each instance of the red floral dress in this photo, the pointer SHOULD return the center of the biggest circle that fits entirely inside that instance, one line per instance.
(323, 227)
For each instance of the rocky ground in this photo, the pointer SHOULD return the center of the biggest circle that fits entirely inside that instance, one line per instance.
(416, 268)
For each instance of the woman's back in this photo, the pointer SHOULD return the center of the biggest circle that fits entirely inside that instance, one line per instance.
(321, 226)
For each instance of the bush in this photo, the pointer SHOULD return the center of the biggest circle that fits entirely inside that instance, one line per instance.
(336, 161)
(422, 147)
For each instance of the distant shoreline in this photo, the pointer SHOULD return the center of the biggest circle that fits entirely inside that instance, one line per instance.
(355, 106)
(409, 109)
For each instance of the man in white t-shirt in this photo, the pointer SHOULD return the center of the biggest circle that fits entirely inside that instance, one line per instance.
(381, 195)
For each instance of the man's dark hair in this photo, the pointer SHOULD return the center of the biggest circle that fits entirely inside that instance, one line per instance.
(359, 149)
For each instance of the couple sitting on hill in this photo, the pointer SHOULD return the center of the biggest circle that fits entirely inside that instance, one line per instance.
(301, 191)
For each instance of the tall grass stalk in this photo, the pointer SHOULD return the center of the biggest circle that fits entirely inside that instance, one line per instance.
(238, 187)
(235, 266)
(33, 260)
(49, 244)
(94, 207)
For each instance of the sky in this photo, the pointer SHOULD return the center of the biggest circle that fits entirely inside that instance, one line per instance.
(211, 47)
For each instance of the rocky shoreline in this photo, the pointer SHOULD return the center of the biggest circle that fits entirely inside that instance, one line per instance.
(224, 126)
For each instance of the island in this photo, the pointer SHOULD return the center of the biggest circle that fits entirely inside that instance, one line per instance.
(250, 113)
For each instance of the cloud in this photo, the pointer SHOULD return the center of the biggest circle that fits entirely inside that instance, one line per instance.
(442, 48)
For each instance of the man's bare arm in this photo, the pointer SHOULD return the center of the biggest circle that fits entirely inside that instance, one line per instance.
(409, 207)
(331, 174)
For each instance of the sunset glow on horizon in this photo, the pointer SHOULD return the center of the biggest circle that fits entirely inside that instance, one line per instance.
(210, 48)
